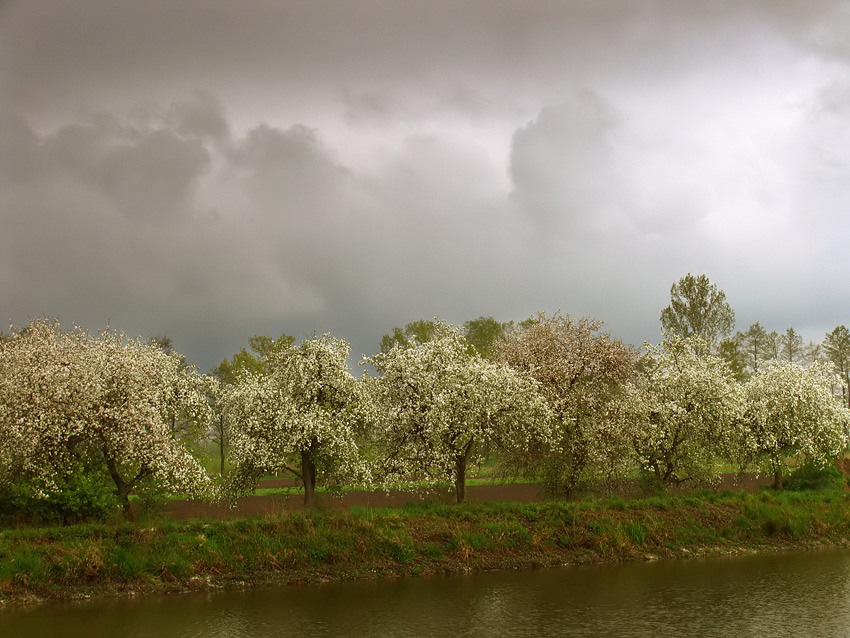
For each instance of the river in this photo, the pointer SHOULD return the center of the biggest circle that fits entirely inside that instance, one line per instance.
(770, 595)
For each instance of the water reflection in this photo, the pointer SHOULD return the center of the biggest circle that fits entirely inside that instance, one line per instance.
(803, 594)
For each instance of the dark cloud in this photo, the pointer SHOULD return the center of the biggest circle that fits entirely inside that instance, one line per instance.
(153, 177)
(18, 162)
(287, 173)
(209, 170)
(202, 116)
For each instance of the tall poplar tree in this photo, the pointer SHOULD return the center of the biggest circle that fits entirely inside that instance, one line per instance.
(836, 347)
(698, 308)
(754, 344)
(791, 345)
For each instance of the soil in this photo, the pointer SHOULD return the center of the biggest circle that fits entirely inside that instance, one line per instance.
(496, 492)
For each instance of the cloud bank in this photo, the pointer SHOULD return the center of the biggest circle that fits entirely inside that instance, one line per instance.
(210, 172)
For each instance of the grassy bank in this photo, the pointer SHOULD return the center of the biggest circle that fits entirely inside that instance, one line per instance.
(425, 538)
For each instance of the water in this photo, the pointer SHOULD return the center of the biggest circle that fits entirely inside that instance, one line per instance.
(784, 595)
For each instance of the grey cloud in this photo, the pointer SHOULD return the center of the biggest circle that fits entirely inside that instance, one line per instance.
(210, 225)
(201, 116)
(562, 162)
(98, 48)
(145, 173)
(71, 248)
(19, 142)
(287, 171)
(155, 176)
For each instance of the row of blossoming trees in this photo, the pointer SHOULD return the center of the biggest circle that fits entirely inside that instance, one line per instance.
(559, 400)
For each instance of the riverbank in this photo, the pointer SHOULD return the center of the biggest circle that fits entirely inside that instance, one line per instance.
(166, 556)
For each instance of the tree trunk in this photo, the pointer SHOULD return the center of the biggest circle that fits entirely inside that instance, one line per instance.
(221, 450)
(122, 488)
(460, 472)
(777, 476)
(126, 507)
(460, 479)
(122, 491)
(308, 477)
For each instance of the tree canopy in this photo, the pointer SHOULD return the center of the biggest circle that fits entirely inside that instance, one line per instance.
(699, 309)
(482, 334)
(791, 410)
(791, 346)
(680, 410)
(836, 347)
(419, 331)
(65, 396)
(256, 359)
(580, 369)
(302, 417)
(441, 406)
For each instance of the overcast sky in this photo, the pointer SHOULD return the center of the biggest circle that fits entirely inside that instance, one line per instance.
(209, 170)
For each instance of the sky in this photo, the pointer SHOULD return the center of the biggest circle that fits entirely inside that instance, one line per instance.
(211, 170)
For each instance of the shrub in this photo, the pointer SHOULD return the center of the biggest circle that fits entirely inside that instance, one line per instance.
(86, 493)
(812, 476)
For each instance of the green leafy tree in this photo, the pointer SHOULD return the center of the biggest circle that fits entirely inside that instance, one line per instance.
(791, 346)
(483, 333)
(256, 359)
(836, 347)
(219, 432)
(419, 331)
(754, 344)
(699, 309)
(774, 345)
(812, 353)
(730, 351)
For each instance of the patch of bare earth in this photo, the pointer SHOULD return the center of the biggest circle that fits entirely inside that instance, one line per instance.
(496, 492)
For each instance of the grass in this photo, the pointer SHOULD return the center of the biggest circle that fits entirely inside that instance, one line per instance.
(419, 538)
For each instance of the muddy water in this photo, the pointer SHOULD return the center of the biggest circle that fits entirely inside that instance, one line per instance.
(799, 595)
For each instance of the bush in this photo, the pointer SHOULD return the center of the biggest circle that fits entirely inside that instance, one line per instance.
(811, 476)
(85, 493)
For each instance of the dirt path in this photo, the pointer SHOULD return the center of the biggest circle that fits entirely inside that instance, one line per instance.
(498, 492)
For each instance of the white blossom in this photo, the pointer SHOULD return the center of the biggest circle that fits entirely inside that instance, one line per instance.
(305, 416)
(792, 410)
(581, 371)
(66, 394)
(682, 412)
(441, 408)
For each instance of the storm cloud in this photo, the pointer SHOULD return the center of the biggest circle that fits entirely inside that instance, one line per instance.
(210, 171)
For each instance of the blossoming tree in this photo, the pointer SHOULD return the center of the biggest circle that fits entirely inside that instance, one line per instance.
(683, 410)
(68, 395)
(256, 359)
(580, 370)
(792, 410)
(440, 407)
(305, 417)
